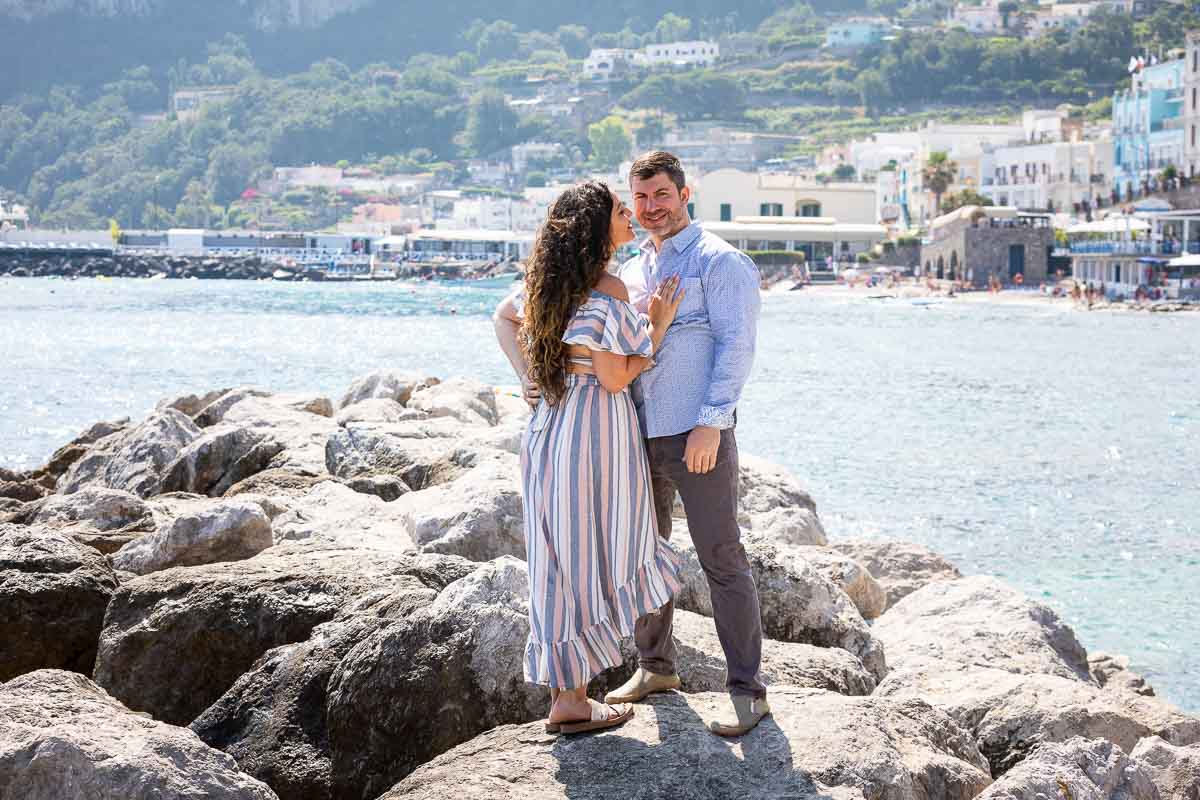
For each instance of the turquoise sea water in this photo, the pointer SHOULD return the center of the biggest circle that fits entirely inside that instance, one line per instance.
(1054, 449)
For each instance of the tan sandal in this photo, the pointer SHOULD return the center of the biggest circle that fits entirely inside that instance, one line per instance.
(603, 717)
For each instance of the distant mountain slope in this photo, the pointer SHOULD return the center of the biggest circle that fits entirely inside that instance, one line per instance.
(46, 42)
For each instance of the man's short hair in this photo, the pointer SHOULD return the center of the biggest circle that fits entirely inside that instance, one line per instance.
(655, 162)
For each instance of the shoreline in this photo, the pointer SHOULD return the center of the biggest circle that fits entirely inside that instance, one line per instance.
(1011, 297)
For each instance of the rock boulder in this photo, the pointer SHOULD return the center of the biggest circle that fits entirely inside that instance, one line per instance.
(815, 744)
(174, 641)
(62, 737)
(799, 604)
(899, 567)
(1079, 769)
(53, 593)
(135, 459)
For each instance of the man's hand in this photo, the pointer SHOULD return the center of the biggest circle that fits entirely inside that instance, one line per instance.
(700, 455)
(530, 392)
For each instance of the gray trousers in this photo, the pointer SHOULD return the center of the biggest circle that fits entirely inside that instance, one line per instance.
(710, 501)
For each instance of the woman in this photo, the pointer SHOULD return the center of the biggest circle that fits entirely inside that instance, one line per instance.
(596, 562)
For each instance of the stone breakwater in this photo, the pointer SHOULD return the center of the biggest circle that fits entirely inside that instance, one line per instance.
(123, 265)
(257, 595)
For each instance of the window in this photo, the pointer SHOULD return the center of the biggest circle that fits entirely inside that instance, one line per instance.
(810, 210)
(770, 209)
(727, 210)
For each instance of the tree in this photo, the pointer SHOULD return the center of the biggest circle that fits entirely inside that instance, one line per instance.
(195, 209)
(651, 133)
(872, 90)
(230, 167)
(967, 197)
(672, 28)
(497, 42)
(844, 172)
(886, 8)
(610, 142)
(492, 125)
(573, 39)
(938, 174)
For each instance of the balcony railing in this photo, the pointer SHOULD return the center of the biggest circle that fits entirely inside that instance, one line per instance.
(1106, 248)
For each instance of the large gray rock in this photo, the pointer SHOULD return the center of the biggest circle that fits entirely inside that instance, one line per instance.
(981, 620)
(336, 515)
(1174, 770)
(899, 567)
(386, 384)
(99, 517)
(191, 404)
(63, 738)
(852, 577)
(477, 516)
(273, 719)
(773, 505)
(65, 456)
(1113, 672)
(468, 401)
(815, 744)
(421, 453)
(1010, 713)
(418, 687)
(377, 409)
(700, 662)
(1079, 769)
(285, 482)
(215, 411)
(98, 508)
(53, 592)
(221, 530)
(135, 459)
(174, 641)
(301, 433)
(799, 604)
(223, 455)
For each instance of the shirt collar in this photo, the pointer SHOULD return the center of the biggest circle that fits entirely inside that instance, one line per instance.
(680, 242)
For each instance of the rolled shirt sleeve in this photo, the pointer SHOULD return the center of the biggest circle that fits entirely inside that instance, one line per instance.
(731, 293)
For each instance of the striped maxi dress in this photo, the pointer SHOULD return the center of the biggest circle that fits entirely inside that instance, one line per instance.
(596, 562)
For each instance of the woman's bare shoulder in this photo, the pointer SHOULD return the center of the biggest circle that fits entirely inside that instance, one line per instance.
(613, 286)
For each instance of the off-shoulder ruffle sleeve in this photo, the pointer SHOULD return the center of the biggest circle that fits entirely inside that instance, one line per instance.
(608, 324)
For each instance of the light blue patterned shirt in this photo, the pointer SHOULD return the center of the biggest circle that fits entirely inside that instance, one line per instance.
(707, 353)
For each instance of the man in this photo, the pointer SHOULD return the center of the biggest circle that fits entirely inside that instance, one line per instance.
(687, 407)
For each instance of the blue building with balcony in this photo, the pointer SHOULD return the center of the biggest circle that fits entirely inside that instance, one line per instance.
(1148, 130)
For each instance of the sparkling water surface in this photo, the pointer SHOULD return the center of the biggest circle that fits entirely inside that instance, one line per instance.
(1057, 450)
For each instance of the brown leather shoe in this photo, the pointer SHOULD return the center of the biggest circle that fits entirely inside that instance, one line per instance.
(749, 712)
(642, 683)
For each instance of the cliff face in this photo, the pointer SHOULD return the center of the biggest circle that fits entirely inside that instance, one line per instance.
(266, 15)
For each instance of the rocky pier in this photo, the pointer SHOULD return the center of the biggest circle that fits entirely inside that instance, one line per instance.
(258, 595)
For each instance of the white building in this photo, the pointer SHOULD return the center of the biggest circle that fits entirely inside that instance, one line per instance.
(823, 240)
(726, 194)
(523, 154)
(605, 63)
(13, 217)
(982, 19)
(1051, 176)
(679, 54)
(1190, 164)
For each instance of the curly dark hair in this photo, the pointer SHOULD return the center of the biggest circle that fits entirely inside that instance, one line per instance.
(570, 255)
